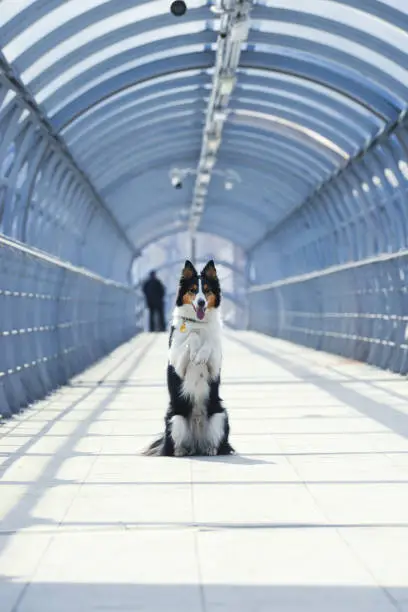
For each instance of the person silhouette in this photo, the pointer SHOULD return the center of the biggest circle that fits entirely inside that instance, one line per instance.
(154, 292)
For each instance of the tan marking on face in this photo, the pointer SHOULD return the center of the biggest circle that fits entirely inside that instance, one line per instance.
(210, 300)
(188, 298)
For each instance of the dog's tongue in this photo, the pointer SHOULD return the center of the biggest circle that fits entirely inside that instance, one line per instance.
(200, 313)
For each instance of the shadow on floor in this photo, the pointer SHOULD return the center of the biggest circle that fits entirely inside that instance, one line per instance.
(381, 412)
(154, 597)
(232, 460)
(37, 487)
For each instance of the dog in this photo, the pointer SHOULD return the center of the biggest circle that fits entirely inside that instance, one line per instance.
(196, 423)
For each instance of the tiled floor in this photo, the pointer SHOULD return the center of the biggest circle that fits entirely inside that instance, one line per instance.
(311, 515)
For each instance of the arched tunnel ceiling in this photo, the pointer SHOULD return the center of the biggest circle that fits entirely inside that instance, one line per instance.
(126, 85)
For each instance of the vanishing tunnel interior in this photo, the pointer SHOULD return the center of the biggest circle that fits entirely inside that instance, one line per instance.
(272, 132)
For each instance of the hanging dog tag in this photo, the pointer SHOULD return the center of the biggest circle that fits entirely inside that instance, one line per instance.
(183, 327)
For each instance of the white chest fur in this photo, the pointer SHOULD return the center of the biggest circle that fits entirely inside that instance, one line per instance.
(195, 353)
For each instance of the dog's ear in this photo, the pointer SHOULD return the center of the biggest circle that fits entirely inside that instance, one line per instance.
(188, 271)
(209, 270)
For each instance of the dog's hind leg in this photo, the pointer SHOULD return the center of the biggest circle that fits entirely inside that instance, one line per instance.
(215, 432)
(181, 436)
(225, 447)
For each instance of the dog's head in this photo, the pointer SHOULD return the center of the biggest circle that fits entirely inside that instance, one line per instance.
(198, 294)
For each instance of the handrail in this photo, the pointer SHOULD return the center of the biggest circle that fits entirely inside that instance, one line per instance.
(301, 278)
(52, 259)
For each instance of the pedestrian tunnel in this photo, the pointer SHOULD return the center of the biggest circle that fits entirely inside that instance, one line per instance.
(269, 135)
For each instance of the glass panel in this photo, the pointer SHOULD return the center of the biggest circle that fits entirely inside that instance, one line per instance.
(22, 175)
(113, 100)
(118, 115)
(391, 177)
(11, 8)
(7, 163)
(43, 26)
(403, 166)
(24, 115)
(108, 52)
(153, 57)
(100, 29)
(10, 95)
(399, 5)
(354, 17)
(335, 42)
(302, 99)
(325, 92)
(328, 144)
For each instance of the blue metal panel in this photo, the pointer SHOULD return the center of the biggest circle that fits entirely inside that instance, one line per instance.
(300, 181)
(175, 129)
(329, 99)
(184, 114)
(55, 321)
(68, 109)
(359, 313)
(112, 45)
(327, 75)
(119, 102)
(358, 310)
(134, 120)
(374, 57)
(337, 128)
(44, 199)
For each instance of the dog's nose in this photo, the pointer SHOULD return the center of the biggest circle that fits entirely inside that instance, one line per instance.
(201, 303)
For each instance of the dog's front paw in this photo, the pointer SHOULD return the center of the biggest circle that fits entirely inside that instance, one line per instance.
(180, 451)
(181, 367)
(212, 451)
(193, 346)
(203, 355)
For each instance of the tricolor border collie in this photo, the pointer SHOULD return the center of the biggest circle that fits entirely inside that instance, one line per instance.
(196, 423)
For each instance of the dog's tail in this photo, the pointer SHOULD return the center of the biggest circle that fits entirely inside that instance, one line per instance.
(155, 449)
(226, 449)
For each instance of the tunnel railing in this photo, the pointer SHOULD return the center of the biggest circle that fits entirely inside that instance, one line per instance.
(358, 310)
(55, 320)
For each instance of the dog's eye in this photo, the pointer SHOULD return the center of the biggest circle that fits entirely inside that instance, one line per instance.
(206, 289)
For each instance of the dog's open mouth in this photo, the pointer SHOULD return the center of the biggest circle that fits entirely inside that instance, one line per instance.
(200, 312)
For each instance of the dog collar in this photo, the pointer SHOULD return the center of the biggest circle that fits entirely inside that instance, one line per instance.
(184, 321)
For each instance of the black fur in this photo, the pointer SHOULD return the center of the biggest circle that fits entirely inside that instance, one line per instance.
(183, 406)
(179, 404)
(190, 276)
